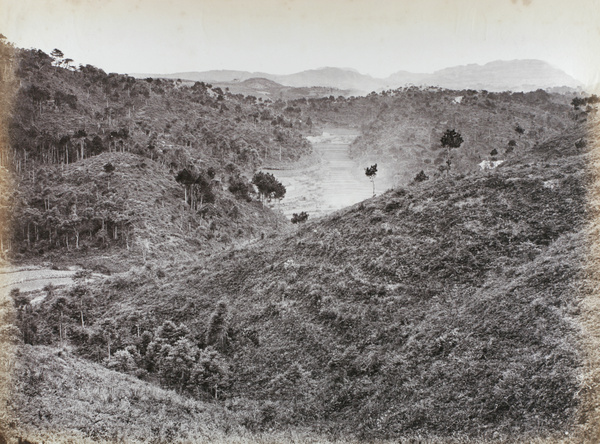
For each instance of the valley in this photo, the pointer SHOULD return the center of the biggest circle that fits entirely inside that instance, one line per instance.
(153, 287)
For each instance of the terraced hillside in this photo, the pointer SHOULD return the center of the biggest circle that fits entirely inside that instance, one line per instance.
(336, 181)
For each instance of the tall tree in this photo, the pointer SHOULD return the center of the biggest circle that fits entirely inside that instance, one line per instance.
(371, 173)
(451, 139)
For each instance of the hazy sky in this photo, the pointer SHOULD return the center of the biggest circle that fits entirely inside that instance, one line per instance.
(376, 37)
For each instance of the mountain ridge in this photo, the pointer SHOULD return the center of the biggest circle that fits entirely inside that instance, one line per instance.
(498, 75)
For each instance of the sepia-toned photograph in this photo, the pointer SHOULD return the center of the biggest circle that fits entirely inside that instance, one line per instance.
(299, 221)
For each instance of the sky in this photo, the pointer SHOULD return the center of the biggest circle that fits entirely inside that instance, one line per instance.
(376, 37)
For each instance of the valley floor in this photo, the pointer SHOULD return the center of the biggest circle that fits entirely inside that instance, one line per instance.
(334, 182)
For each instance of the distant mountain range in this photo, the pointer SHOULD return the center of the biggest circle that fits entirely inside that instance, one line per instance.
(514, 75)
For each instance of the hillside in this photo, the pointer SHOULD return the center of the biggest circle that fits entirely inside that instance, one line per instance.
(74, 131)
(135, 209)
(405, 137)
(268, 89)
(441, 309)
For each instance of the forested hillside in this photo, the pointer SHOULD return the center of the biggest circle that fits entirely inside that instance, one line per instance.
(97, 159)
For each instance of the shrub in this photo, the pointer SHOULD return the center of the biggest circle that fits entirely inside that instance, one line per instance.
(299, 217)
(421, 177)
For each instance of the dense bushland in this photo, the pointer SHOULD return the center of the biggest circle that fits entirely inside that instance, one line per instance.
(438, 309)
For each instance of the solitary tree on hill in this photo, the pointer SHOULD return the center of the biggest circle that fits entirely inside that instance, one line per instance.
(371, 172)
(57, 55)
(450, 139)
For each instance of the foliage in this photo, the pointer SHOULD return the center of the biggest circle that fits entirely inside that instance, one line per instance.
(268, 186)
(371, 172)
(298, 218)
(451, 139)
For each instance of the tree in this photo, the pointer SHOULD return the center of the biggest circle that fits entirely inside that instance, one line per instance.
(450, 139)
(197, 187)
(216, 333)
(203, 189)
(268, 186)
(109, 169)
(299, 218)
(108, 330)
(211, 373)
(371, 172)
(240, 187)
(309, 123)
(519, 130)
(122, 361)
(57, 55)
(176, 367)
(26, 321)
(577, 102)
(187, 179)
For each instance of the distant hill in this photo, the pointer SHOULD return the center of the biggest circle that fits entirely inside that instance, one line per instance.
(514, 75)
(269, 89)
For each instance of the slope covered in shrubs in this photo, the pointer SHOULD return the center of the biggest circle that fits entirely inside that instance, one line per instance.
(495, 126)
(446, 308)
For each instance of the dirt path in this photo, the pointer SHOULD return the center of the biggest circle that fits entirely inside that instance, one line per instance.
(335, 182)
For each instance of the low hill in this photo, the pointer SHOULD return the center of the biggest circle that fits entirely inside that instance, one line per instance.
(132, 205)
(445, 308)
(268, 89)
